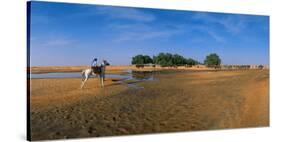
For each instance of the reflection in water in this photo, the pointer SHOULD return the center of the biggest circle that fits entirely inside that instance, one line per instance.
(137, 75)
(142, 75)
(131, 76)
(71, 75)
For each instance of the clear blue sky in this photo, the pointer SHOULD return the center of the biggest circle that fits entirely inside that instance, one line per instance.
(72, 34)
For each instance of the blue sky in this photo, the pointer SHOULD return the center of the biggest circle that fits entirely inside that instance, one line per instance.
(72, 34)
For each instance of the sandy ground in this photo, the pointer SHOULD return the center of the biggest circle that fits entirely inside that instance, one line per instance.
(183, 101)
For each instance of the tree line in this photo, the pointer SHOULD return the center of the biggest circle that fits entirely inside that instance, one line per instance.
(168, 59)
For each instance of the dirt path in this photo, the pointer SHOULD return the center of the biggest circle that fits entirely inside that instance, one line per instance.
(256, 108)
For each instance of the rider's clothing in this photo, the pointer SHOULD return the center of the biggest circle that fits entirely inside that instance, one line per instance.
(94, 63)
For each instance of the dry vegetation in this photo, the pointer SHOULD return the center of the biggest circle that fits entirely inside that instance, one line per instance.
(182, 101)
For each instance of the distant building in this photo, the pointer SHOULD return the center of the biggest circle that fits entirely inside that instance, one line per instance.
(244, 67)
(254, 67)
(266, 67)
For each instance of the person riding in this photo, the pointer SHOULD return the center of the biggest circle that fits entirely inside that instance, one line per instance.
(94, 62)
(95, 67)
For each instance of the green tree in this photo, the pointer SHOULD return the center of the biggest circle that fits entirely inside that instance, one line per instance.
(191, 62)
(178, 60)
(147, 59)
(168, 59)
(164, 59)
(212, 60)
(141, 59)
(138, 59)
(154, 58)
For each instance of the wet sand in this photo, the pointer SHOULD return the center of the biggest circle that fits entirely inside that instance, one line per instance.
(181, 101)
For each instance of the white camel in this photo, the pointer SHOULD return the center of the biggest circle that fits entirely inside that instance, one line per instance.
(97, 71)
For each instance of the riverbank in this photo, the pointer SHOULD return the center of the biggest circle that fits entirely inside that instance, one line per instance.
(109, 69)
(176, 101)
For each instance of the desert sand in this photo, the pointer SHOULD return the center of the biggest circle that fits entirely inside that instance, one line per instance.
(176, 101)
